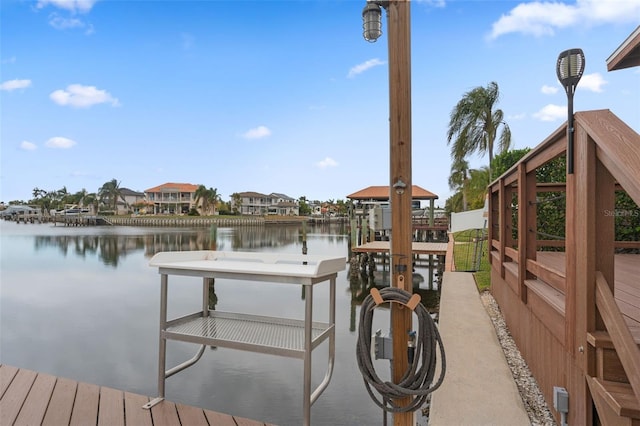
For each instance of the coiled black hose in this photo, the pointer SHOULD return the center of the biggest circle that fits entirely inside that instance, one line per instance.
(418, 379)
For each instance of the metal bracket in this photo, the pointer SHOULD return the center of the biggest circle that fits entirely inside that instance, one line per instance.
(383, 346)
(153, 402)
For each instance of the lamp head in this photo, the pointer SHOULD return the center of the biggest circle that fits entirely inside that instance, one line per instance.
(570, 67)
(371, 21)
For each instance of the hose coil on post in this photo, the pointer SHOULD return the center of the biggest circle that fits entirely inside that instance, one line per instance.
(418, 379)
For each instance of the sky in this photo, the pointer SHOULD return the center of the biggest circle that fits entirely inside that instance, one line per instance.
(279, 96)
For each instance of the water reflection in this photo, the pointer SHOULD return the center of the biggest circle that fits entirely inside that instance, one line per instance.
(110, 248)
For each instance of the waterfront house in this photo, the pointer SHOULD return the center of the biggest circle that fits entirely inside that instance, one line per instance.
(255, 203)
(172, 198)
(130, 200)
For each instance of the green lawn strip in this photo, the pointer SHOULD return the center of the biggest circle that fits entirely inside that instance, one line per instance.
(465, 242)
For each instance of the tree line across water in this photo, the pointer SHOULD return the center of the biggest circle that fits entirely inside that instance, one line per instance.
(208, 200)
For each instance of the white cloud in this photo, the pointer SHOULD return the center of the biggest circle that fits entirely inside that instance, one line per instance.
(79, 96)
(60, 142)
(74, 6)
(360, 68)
(28, 146)
(549, 90)
(592, 82)
(11, 60)
(327, 162)
(257, 133)
(543, 18)
(15, 84)
(60, 23)
(551, 112)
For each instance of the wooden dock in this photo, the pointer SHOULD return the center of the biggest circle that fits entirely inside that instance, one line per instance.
(439, 249)
(31, 398)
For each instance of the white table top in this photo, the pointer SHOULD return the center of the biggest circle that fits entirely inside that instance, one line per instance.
(250, 263)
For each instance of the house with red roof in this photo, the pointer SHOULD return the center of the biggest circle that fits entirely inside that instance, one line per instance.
(172, 198)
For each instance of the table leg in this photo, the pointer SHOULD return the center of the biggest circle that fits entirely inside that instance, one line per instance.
(308, 319)
(162, 349)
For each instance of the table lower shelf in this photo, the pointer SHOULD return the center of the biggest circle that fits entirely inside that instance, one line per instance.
(269, 335)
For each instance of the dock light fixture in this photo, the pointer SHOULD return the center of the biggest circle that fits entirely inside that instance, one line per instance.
(372, 20)
(569, 69)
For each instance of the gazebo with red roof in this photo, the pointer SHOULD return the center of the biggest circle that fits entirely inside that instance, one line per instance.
(381, 193)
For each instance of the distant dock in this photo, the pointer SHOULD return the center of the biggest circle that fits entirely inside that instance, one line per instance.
(438, 249)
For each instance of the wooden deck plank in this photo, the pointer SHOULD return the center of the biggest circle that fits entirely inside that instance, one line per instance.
(554, 260)
(111, 407)
(165, 414)
(15, 395)
(626, 288)
(241, 421)
(219, 419)
(85, 408)
(33, 398)
(35, 405)
(61, 403)
(134, 414)
(7, 373)
(191, 416)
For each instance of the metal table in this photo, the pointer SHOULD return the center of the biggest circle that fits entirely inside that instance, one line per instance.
(294, 338)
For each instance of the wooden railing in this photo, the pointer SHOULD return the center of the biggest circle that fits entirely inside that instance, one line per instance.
(569, 300)
(623, 341)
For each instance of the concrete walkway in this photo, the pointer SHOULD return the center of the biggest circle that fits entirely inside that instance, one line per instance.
(478, 388)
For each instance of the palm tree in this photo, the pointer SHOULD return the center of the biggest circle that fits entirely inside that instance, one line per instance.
(109, 193)
(474, 123)
(236, 203)
(209, 197)
(477, 187)
(459, 179)
(63, 195)
(214, 197)
(91, 200)
(79, 197)
(201, 195)
(40, 198)
(38, 193)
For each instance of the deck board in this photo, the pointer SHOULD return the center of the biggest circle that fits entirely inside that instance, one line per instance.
(626, 286)
(31, 398)
(135, 415)
(35, 404)
(111, 408)
(7, 373)
(191, 415)
(15, 395)
(85, 408)
(61, 403)
(165, 414)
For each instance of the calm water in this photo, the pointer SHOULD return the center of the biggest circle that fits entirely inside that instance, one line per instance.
(83, 303)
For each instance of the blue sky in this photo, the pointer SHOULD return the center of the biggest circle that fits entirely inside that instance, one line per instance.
(278, 96)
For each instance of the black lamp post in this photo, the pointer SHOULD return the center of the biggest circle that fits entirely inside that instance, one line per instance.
(569, 69)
